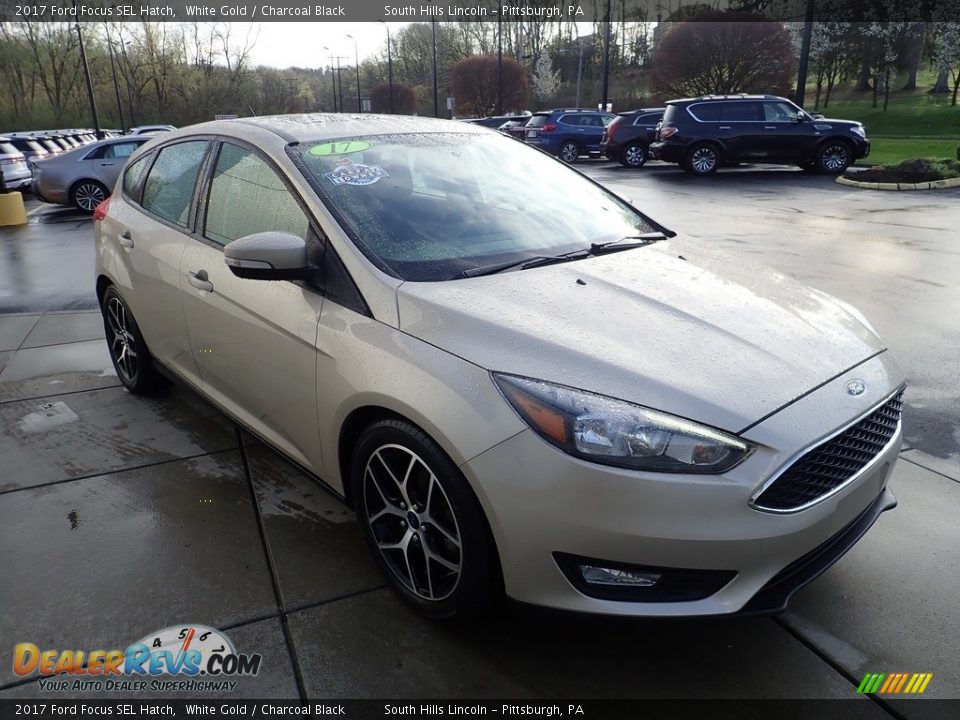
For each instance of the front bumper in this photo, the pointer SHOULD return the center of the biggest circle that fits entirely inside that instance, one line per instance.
(542, 502)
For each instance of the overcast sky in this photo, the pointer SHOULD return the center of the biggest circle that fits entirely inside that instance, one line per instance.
(286, 44)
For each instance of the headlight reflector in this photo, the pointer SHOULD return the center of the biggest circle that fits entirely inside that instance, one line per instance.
(615, 432)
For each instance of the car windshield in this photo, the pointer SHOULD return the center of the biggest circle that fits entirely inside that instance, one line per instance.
(432, 206)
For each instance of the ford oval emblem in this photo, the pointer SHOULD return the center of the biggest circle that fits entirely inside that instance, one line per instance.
(855, 387)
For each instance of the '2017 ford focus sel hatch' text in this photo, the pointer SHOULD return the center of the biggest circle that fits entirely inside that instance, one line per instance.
(546, 396)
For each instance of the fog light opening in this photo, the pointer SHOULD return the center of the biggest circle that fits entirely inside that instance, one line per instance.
(617, 577)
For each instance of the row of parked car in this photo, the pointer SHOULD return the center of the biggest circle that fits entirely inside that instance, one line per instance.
(69, 167)
(700, 134)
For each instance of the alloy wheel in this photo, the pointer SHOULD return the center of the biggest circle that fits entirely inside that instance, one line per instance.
(123, 346)
(635, 156)
(835, 158)
(569, 152)
(88, 195)
(412, 521)
(703, 160)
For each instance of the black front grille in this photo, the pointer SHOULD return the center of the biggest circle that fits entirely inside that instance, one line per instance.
(828, 466)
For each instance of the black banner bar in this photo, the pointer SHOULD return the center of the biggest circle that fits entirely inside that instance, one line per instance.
(466, 10)
(432, 709)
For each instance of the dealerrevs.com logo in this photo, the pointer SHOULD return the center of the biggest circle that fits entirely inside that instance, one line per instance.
(188, 658)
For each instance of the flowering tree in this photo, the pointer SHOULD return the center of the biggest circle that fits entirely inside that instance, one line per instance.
(946, 53)
(886, 40)
(546, 80)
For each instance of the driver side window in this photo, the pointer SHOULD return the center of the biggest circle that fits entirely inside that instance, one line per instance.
(247, 196)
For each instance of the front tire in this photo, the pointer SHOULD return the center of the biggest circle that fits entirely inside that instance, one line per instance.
(634, 155)
(569, 152)
(702, 159)
(128, 351)
(87, 194)
(422, 522)
(834, 157)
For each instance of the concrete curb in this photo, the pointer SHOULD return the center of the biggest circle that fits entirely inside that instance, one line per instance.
(932, 185)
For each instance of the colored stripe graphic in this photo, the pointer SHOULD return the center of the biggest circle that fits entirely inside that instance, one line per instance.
(894, 683)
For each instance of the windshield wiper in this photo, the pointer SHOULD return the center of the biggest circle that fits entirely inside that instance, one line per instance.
(541, 260)
(522, 264)
(614, 245)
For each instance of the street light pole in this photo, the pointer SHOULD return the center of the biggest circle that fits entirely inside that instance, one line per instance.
(389, 65)
(356, 56)
(436, 97)
(86, 71)
(606, 61)
(579, 71)
(499, 66)
(805, 54)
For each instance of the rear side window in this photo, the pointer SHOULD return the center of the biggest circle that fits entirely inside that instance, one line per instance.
(121, 150)
(169, 187)
(132, 177)
(247, 196)
(670, 114)
(740, 112)
(537, 121)
(707, 112)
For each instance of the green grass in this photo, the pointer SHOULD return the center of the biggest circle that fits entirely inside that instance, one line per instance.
(885, 150)
(910, 112)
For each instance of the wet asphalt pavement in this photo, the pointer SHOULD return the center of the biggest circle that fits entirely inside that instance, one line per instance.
(120, 516)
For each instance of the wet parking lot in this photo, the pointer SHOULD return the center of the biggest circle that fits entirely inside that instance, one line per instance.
(120, 515)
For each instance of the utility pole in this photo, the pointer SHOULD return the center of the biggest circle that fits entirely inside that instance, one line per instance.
(116, 85)
(333, 78)
(86, 71)
(389, 65)
(356, 56)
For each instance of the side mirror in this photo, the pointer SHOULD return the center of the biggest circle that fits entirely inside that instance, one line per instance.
(267, 256)
(801, 116)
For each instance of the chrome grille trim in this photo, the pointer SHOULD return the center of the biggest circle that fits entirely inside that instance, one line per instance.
(755, 499)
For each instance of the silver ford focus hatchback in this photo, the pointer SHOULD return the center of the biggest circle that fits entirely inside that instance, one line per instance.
(545, 395)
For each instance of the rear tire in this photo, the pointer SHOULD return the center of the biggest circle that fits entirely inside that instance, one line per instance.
(569, 152)
(702, 159)
(634, 155)
(128, 351)
(87, 194)
(423, 523)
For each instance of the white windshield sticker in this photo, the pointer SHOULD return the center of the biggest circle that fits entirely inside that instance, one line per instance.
(350, 173)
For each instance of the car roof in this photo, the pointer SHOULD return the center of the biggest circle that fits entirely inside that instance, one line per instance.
(709, 98)
(308, 127)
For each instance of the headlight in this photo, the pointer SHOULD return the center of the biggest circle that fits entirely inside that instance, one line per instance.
(614, 432)
(859, 130)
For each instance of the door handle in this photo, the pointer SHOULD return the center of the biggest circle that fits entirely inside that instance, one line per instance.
(769, 127)
(126, 240)
(199, 280)
(724, 127)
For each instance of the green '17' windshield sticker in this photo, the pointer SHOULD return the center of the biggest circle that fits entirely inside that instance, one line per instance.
(340, 148)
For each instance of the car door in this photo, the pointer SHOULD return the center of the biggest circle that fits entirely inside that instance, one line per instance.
(592, 126)
(742, 130)
(254, 341)
(783, 134)
(110, 159)
(150, 224)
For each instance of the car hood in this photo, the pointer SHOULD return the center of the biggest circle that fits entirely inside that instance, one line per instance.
(673, 327)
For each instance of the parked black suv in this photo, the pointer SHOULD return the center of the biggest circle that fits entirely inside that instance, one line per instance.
(627, 139)
(705, 132)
